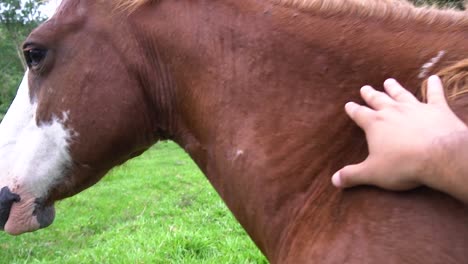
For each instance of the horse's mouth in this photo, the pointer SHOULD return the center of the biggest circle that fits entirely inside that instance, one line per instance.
(7, 198)
(28, 215)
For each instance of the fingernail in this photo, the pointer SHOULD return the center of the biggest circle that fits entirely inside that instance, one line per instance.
(350, 106)
(366, 87)
(433, 78)
(390, 84)
(390, 81)
(336, 179)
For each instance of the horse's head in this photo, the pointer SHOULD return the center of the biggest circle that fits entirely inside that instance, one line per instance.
(80, 110)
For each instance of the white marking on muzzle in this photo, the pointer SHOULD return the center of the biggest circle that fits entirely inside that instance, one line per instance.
(32, 156)
(430, 64)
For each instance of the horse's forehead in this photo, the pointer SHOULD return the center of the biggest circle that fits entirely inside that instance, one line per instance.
(74, 15)
(57, 26)
(72, 7)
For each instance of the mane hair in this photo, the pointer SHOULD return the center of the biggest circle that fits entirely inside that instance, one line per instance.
(131, 5)
(454, 79)
(382, 9)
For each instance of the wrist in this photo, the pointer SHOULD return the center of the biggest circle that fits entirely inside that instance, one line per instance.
(446, 163)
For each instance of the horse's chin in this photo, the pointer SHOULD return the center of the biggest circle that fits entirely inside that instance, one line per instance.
(29, 215)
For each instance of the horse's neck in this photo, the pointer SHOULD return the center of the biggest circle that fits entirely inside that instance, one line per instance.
(260, 91)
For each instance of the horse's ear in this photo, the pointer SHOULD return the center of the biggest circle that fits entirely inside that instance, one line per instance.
(454, 79)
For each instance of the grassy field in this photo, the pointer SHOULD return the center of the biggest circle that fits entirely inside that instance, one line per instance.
(157, 208)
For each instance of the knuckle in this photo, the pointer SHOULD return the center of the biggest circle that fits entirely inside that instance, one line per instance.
(355, 110)
(360, 112)
(373, 96)
(398, 94)
(379, 116)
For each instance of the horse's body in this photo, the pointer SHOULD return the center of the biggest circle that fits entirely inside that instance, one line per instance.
(254, 92)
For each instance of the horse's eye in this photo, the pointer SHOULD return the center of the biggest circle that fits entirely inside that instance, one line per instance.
(34, 57)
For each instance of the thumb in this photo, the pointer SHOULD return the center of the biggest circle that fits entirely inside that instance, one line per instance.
(353, 175)
(435, 91)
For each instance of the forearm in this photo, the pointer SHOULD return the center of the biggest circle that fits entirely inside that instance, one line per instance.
(448, 168)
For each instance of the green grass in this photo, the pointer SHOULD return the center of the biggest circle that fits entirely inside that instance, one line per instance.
(157, 208)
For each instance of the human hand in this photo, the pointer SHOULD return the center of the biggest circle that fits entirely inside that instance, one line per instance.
(400, 132)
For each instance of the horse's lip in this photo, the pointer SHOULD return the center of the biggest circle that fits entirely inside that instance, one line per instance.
(44, 213)
(5, 211)
(8, 199)
(29, 215)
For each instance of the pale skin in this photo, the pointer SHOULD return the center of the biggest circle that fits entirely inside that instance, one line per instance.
(410, 143)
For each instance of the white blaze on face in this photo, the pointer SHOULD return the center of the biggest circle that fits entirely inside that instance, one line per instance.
(32, 156)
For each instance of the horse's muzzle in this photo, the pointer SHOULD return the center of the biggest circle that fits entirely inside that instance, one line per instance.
(7, 198)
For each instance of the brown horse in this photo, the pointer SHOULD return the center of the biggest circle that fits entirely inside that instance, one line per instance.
(254, 92)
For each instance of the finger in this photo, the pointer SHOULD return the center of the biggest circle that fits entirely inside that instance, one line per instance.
(353, 175)
(375, 99)
(398, 93)
(361, 115)
(435, 91)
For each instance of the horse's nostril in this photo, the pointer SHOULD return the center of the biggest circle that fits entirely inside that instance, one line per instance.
(7, 198)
